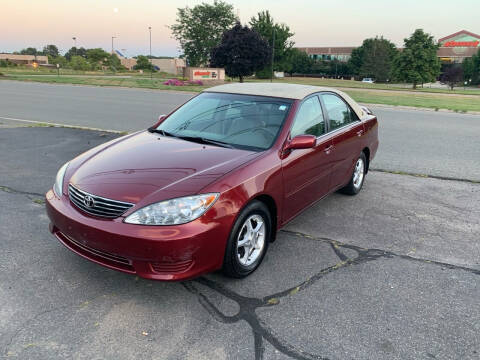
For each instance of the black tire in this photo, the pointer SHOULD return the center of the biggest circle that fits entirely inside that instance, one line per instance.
(231, 264)
(350, 188)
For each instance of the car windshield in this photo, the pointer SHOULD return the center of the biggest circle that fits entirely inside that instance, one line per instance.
(241, 121)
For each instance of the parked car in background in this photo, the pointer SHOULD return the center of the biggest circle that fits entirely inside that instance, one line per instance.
(368, 80)
(208, 186)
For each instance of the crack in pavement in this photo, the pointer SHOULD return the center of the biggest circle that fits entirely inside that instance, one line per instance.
(427, 176)
(248, 305)
(8, 189)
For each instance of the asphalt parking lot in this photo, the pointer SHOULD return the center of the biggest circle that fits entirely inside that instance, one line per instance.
(392, 273)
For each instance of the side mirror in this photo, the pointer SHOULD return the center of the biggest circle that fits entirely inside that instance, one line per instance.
(160, 119)
(302, 142)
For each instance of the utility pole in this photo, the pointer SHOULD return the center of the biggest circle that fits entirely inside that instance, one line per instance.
(273, 53)
(151, 66)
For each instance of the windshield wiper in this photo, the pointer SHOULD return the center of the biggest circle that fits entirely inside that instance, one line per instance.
(162, 132)
(203, 140)
(197, 139)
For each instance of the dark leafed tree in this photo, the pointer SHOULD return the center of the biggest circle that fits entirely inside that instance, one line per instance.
(417, 63)
(374, 58)
(453, 75)
(241, 52)
(199, 29)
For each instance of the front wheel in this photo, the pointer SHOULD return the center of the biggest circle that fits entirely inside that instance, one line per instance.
(356, 181)
(248, 240)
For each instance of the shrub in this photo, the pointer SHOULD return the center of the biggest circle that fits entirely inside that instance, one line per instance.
(177, 82)
(265, 73)
(193, 82)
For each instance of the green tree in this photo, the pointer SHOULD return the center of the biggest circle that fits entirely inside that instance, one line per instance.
(374, 58)
(97, 57)
(114, 63)
(200, 29)
(356, 60)
(61, 60)
(79, 63)
(50, 50)
(143, 63)
(417, 62)
(75, 52)
(264, 24)
(471, 69)
(299, 62)
(30, 51)
(241, 52)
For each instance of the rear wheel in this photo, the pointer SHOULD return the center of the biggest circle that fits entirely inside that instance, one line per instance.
(358, 177)
(248, 240)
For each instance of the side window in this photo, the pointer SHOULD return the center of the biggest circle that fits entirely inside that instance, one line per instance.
(309, 119)
(338, 112)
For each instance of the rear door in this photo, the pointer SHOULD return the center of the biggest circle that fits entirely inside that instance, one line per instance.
(346, 131)
(306, 172)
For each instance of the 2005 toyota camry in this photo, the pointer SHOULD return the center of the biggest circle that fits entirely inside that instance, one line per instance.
(208, 186)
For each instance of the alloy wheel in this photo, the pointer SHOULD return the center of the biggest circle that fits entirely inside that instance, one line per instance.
(251, 240)
(358, 173)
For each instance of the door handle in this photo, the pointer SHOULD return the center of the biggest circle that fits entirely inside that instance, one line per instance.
(359, 133)
(328, 149)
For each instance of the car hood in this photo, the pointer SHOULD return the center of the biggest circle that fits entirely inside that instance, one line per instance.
(149, 165)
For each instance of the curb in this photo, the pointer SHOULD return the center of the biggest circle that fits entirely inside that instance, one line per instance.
(403, 107)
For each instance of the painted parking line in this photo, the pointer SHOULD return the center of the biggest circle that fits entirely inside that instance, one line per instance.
(63, 125)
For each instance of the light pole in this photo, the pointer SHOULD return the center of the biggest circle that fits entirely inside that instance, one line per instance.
(75, 44)
(273, 53)
(113, 37)
(151, 66)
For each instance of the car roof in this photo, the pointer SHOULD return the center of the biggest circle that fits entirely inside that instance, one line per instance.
(282, 90)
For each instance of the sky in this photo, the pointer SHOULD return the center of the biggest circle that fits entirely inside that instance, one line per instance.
(25, 23)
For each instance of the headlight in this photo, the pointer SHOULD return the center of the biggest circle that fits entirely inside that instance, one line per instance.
(58, 186)
(174, 211)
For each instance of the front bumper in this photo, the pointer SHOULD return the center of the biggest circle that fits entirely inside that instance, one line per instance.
(169, 253)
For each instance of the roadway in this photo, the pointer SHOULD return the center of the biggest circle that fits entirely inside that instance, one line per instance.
(422, 142)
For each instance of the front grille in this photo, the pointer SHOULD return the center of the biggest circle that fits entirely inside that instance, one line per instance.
(107, 259)
(103, 254)
(97, 205)
(171, 267)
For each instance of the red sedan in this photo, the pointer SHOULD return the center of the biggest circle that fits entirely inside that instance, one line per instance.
(208, 186)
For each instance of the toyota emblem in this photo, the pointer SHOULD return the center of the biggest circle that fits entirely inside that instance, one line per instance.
(88, 201)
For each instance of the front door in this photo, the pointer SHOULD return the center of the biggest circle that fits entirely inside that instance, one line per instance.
(306, 172)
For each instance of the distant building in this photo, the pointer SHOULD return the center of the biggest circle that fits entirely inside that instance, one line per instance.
(173, 66)
(454, 48)
(25, 59)
(342, 54)
(457, 47)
